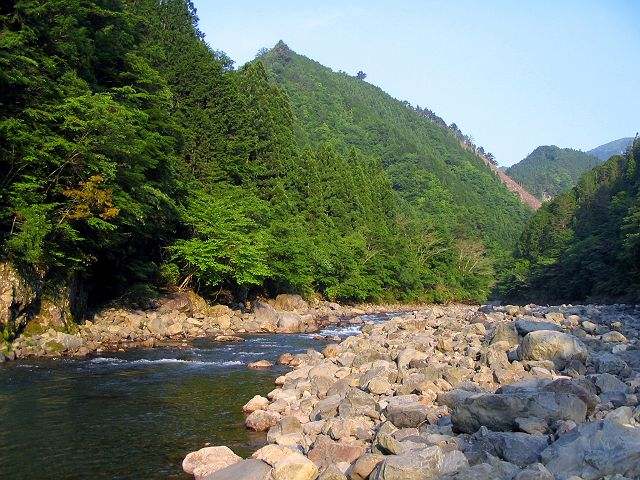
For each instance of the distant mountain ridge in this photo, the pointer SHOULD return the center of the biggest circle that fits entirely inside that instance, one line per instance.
(608, 150)
(550, 170)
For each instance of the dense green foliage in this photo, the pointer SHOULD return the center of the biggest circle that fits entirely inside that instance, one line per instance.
(585, 244)
(550, 170)
(608, 150)
(448, 184)
(135, 157)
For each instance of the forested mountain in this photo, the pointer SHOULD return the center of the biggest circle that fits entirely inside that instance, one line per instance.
(135, 158)
(608, 150)
(585, 244)
(550, 170)
(448, 185)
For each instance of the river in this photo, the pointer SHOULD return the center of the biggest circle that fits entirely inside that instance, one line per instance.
(136, 414)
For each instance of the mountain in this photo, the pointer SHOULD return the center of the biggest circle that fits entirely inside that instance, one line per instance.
(550, 170)
(449, 184)
(616, 147)
(135, 160)
(584, 245)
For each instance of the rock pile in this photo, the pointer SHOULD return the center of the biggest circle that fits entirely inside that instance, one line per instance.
(179, 317)
(459, 393)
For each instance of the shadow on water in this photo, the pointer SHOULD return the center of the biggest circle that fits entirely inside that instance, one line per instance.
(135, 414)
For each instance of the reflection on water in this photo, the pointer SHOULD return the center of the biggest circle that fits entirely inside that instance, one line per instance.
(134, 415)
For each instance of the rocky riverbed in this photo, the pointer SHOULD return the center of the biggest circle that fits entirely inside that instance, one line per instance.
(455, 393)
(175, 318)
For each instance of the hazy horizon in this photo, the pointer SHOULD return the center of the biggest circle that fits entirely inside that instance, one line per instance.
(511, 76)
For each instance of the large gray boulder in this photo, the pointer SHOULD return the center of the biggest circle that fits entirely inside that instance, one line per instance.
(499, 411)
(251, 469)
(518, 448)
(525, 326)
(558, 347)
(594, 450)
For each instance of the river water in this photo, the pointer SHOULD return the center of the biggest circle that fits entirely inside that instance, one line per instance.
(135, 414)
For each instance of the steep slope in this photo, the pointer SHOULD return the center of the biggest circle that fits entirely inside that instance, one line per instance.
(550, 170)
(585, 244)
(608, 150)
(449, 184)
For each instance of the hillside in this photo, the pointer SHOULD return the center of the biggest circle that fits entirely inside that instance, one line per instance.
(550, 170)
(448, 184)
(584, 245)
(616, 147)
(136, 160)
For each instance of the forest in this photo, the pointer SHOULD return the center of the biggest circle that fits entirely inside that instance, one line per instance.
(584, 245)
(135, 158)
(550, 170)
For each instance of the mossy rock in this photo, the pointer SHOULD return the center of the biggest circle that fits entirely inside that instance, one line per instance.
(54, 347)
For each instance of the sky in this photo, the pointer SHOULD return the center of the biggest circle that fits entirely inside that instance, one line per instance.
(512, 74)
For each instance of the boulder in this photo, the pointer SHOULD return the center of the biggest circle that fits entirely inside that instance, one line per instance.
(364, 465)
(266, 316)
(523, 327)
(294, 467)
(418, 465)
(405, 411)
(558, 347)
(614, 336)
(256, 403)
(208, 460)
(357, 402)
(537, 471)
(271, 454)
(290, 303)
(289, 322)
(251, 469)
(325, 452)
(594, 450)
(500, 411)
(518, 448)
(505, 332)
(261, 420)
(260, 364)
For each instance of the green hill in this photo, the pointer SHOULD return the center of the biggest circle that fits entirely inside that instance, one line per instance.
(585, 245)
(550, 170)
(429, 166)
(608, 150)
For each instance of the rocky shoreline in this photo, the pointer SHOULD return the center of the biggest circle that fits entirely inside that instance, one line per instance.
(455, 393)
(178, 318)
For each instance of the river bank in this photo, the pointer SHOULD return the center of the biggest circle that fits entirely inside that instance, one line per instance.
(180, 317)
(454, 393)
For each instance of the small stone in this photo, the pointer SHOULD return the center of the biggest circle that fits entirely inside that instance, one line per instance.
(614, 336)
(295, 467)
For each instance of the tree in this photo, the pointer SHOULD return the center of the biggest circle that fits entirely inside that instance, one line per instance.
(361, 75)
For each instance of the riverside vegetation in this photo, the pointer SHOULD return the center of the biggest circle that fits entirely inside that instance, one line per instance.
(134, 159)
(150, 192)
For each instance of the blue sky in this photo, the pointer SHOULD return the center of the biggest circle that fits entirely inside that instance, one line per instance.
(513, 74)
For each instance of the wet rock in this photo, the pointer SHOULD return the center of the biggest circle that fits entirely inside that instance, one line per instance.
(228, 338)
(260, 364)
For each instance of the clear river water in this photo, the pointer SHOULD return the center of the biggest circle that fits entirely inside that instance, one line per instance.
(135, 414)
